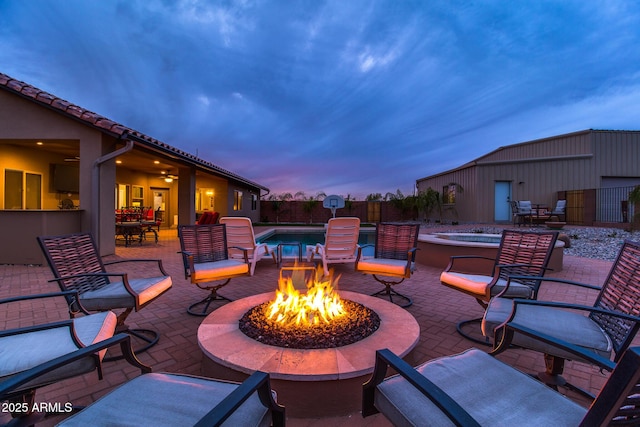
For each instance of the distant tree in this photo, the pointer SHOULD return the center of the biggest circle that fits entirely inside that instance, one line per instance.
(311, 202)
(277, 201)
(374, 197)
(348, 203)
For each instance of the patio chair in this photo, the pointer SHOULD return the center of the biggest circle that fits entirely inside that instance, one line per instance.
(394, 257)
(165, 399)
(475, 389)
(523, 212)
(240, 235)
(340, 244)
(76, 265)
(24, 348)
(607, 328)
(559, 211)
(205, 257)
(521, 253)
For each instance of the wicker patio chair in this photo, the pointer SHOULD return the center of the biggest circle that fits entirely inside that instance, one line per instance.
(520, 253)
(475, 389)
(205, 257)
(77, 265)
(607, 328)
(394, 257)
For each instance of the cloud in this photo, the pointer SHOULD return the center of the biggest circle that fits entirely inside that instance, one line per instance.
(350, 97)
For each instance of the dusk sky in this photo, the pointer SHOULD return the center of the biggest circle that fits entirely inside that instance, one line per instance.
(342, 97)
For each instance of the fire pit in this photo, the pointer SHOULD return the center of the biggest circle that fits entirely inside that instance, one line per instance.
(318, 318)
(309, 382)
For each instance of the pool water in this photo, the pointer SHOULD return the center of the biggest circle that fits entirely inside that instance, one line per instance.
(310, 238)
(463, 237)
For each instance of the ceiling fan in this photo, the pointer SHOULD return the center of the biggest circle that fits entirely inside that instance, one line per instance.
(168, 177)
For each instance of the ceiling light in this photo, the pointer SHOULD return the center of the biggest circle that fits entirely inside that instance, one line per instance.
(168, 179)
(156, 162)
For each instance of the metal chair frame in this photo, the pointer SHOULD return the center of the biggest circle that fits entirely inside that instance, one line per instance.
(520, 253)
(397, 241)
(204, 243)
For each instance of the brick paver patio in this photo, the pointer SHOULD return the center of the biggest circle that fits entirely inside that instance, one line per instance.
(436, 308)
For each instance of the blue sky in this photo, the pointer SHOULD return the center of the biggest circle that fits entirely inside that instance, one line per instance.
(346, 97)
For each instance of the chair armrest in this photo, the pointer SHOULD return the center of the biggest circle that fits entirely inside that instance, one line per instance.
(123, 277)
(257, 382)
(359, 253)
(158, 261)
(386, 358)
(43, 327)
(7, 386)
(453, 259)
(244, 250)
(507, 331)
(72, 298)
(542, 279)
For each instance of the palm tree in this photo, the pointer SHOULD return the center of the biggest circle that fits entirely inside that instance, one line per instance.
(311, 202)
(277, 200)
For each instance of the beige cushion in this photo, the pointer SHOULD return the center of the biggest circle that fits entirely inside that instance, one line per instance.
(493, 393)
(571, 326)
(477, 284)
(167, 400)
(395, 267)
(219, 269)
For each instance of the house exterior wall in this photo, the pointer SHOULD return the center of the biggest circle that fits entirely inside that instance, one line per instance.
(538, 170)
(23, 122)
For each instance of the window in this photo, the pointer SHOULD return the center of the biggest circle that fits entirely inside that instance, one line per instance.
(254, 202)
(137, 196)
(22, 190)
(237, 200)
(449, 194)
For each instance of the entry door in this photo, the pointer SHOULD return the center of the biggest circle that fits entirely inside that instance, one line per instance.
(161, 205)
(502, 200)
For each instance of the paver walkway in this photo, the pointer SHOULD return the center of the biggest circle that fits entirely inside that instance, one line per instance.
(436, 307)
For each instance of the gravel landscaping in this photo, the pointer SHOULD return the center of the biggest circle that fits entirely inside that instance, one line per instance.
(587, 242)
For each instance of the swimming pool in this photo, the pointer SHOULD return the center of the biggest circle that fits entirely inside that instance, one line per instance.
(308, 237)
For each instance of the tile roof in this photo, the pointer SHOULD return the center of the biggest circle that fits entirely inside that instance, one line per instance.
(106, 125)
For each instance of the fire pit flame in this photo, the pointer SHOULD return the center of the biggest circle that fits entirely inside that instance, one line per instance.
(320, 304)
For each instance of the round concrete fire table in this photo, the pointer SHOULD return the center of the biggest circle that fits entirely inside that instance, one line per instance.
(310, 383)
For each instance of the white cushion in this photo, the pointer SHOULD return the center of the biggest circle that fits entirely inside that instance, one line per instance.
(493, 393)
(571, 326)
(24, 351)
(167, 400)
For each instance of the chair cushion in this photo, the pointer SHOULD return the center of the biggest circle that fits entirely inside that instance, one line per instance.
(477, 284)
(570, 326)
(115, 295)
(383, 266)
(492, 392)
(167, 400)
(24, 351)
(219, 269)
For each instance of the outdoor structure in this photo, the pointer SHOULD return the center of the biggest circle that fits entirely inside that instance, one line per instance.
(577, 167)
(65, 169)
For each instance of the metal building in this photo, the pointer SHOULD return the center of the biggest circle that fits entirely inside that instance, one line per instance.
(541, 171)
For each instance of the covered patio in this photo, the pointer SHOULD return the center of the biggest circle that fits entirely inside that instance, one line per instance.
(436, 308)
